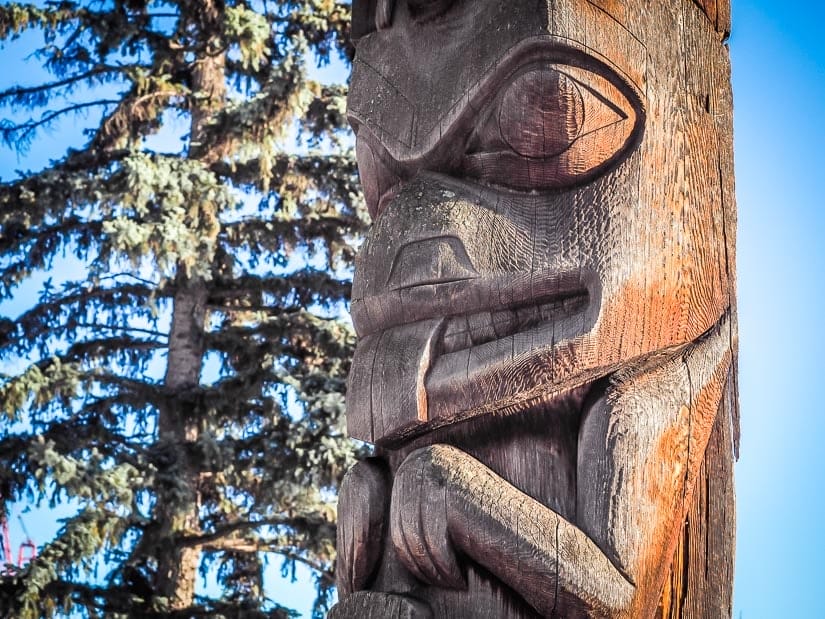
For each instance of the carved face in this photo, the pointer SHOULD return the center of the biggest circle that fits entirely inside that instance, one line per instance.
(531, 201)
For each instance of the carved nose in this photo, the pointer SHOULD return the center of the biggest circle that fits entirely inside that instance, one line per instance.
(541, 113)
(438, 260)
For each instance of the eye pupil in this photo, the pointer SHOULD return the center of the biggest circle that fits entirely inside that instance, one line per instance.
(424, 10)
(542, 113)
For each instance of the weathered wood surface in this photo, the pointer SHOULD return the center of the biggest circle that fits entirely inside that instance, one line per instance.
(546, 311)
(699, 584)
(368, 605)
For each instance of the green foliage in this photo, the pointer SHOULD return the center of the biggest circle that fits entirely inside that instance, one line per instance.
(183, 391)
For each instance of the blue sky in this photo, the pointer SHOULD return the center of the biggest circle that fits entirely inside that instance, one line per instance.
(779, 94)
(779, 90)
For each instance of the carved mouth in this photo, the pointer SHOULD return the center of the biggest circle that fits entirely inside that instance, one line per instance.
(469, 330)
(420, 364)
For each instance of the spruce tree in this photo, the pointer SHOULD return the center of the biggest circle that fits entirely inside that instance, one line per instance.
(183, 392)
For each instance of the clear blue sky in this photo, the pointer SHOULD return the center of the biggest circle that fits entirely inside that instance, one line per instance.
(779, 93)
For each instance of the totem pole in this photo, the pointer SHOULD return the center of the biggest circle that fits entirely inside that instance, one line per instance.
(545, 310)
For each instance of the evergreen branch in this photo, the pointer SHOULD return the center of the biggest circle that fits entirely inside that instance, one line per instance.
(324, 571)
(256, 120)
(135, 116)
(106, 348)
(19, 135)
(227, 530)
(273, 546)
(19, 95)
(81, 178)
(287, 322)
(115, 295)
(128, 328)
(134, 597)
(133, 400)
(16, 237)
(85, 163)
(245, 307)
(76, 437)
(110, 599)
(332, 175)
(144, 387)
(36, 233)
(41, 384)
(80, 539)
(261, 234)
(15, 18)
(298, 289)
(148, 282)
(55, 316)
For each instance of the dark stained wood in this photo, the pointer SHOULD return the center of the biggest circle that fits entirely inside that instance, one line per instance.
(546, 312)
(369, 605)
(363, 505)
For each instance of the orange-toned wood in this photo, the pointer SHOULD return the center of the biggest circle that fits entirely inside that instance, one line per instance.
(546, 311)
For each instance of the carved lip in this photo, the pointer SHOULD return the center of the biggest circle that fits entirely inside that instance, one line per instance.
(420, 375)
(416, 375)
(501, 302)
(472, 369)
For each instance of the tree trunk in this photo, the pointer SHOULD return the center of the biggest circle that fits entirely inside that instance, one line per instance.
(178, 566)
(177, 569)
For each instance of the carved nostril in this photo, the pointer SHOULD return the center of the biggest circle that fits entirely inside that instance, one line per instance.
(541, 114)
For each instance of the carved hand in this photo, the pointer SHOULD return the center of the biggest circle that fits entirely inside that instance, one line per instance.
(445, 501)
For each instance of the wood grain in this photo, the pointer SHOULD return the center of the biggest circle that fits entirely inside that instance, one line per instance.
(702, 568)
(363, 505)
(371, 605)
(546, 312)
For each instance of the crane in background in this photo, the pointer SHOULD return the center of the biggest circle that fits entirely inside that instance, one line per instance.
(26, 551)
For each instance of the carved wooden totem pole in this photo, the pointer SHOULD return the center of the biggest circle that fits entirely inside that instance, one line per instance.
(546, 313)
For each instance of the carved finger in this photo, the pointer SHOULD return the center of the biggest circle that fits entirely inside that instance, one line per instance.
(419, 522)
(487, 518)
(362, 506)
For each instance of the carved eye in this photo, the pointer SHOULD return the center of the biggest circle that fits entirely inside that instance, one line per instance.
(425, 10)
(552, 126)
